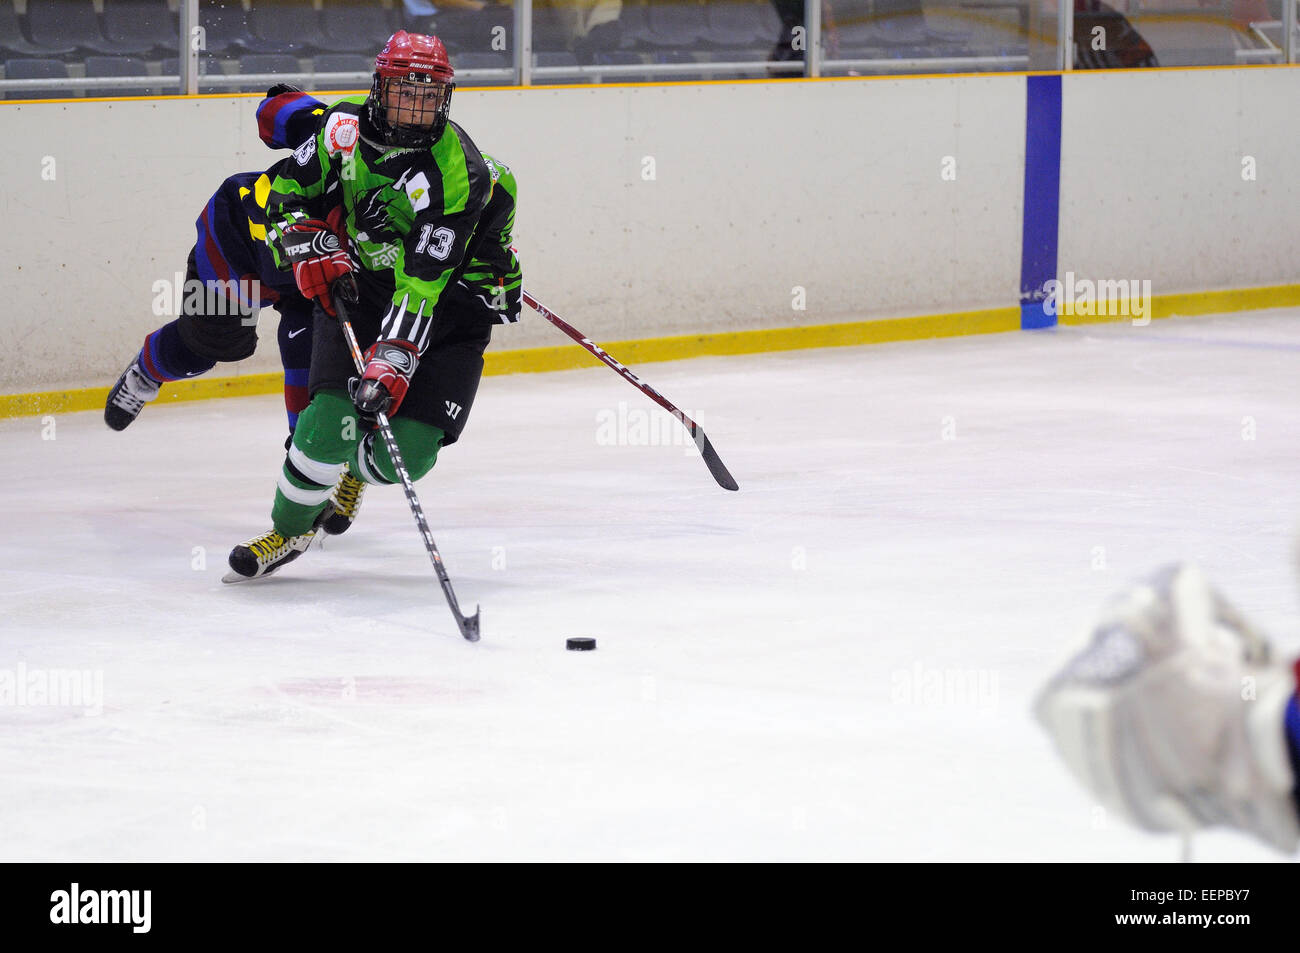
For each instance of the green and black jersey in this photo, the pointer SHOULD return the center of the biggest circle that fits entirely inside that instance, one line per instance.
(491, 282)
(410, 214)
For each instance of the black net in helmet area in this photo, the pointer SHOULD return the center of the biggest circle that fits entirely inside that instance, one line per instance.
(410, 110)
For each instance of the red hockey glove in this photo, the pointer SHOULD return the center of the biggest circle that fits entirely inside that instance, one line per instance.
(318, 259)
(389, 368)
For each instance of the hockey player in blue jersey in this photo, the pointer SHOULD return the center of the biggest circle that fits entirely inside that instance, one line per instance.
(229, 277)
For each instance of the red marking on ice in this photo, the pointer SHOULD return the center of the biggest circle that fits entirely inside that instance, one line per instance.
(370, 688)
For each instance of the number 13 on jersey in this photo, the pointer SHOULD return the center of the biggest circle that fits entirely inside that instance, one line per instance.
(436, 241)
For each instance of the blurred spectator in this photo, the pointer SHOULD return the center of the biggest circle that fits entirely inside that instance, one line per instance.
(1246, 12)
(594, 25)
(417, 16)
(478, 26)
(1104, 39)
(793, 42)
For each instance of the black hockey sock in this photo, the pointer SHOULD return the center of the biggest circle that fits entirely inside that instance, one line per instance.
(165, 357)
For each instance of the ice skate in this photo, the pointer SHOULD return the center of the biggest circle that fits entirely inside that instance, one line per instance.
(132, 391)
(263, 555)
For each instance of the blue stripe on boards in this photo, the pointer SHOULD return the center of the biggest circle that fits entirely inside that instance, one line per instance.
(1042, 198)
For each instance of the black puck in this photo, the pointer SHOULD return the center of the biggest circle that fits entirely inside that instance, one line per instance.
(580, 644)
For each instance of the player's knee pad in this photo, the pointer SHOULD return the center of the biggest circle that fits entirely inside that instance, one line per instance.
(418, 442)
(230, 337)
(328, 430)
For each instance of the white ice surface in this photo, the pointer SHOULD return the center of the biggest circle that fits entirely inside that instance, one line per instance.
(738, 706)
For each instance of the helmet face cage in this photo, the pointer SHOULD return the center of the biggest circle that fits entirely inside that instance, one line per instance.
(411, 110)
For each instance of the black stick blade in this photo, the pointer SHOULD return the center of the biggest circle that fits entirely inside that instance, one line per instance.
(469, 625)
(714, 463)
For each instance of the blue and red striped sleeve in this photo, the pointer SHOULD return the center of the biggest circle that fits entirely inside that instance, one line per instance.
(288, 120)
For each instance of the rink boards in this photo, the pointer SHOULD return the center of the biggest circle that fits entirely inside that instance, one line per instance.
(711, 217)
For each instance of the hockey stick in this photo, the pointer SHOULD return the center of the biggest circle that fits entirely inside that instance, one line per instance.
(711, 458)
(468, 625)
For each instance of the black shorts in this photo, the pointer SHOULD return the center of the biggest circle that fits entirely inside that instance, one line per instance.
(445, 382)
(221, 329)
(225, 332)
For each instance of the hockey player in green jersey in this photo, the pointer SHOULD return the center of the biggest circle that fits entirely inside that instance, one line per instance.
(427, 251)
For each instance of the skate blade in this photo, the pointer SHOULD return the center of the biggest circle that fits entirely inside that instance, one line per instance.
(232, 577)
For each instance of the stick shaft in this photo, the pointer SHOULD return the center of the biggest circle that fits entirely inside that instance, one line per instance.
(710, 455)
(605, 357)
(468, 625)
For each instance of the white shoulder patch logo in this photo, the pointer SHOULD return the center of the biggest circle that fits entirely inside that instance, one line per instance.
(417, 189)
(341, 133)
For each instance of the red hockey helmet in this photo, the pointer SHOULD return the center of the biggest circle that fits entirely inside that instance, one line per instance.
(410, 97)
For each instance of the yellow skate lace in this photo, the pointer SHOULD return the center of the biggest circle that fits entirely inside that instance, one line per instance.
(347, 495)
(268, 546)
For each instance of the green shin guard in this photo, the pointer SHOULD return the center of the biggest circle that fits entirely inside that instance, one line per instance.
(325, 438)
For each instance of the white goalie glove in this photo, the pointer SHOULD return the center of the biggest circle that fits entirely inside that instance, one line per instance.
(1173, 715)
